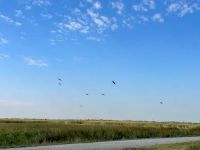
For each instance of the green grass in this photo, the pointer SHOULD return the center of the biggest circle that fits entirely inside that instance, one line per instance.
(15, 133)
(181, 146)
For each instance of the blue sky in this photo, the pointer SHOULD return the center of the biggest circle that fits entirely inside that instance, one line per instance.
(149, 47)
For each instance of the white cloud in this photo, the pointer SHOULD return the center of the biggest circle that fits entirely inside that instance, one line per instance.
(114, 24)
(183, 8)
(89, 1)
(22, 35)
(14, 104)
(186, 10)
(93, 38)
(85, 29)
(139, 8)
(76, 10)
(52, 42)
(59, 60)
(18, 23)
(144, 18)
(144, 5)
(97, 5)
(19, 13)
(78, 59)
(73, 25)
(174, 7)
(92, 14)
(6, 18)
(114, 27)
(100, 21)
(34, 62)
(9, 20)
(3, 41)
(76, 22)
(3, 56)
(119, 6)
(46, 16)
(158, 17)
(92, 18)
(27, 7)
(149, 3)
(41, 3)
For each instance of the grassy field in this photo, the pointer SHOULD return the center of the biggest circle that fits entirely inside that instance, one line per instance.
(182, 146)
(15, 133)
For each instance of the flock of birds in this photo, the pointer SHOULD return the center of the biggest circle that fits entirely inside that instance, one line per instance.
(60, 82)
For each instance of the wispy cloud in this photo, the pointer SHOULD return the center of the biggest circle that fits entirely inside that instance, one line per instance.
(6, 18)
(96, 18)
(144, 6)
(41, 3)
(119, 6)
(19, 13)
(3, 56)
(28, 7)
(97, 5)
(100, 21)
(35, 62)
(9, 20)
(158, 17)
(22, 35)
(89, 1)
(150, 3)
(144, 18)
(14, 104)
(3, 41)
(93, 38)
(46, 15)
(183, 8)
(73, 26)
(59, 60)
(78, 59)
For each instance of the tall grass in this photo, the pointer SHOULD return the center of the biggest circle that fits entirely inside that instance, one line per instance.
(14, 133)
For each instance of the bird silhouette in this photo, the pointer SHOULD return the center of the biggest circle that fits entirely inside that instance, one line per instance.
(103, 94)
(161, 103)
(114, 82)
(59, 79)
(81, 106)
(87, 94)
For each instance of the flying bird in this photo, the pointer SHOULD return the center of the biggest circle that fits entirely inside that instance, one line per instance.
(103, 94)
(114, 82)
(161, 103)
(87, 94)
(81, 106)
(59, 79)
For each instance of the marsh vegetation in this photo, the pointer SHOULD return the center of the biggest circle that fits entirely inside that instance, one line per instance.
(17, 133)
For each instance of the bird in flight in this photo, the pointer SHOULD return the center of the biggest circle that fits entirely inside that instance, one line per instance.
(103, 94)
(161, 103)
(59, 79)
(114, 82)
(87, 94)
(81, 106)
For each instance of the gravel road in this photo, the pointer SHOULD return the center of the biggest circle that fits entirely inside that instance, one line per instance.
(113, 145)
